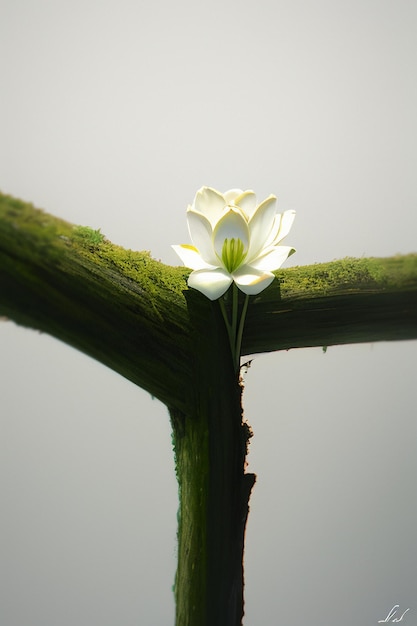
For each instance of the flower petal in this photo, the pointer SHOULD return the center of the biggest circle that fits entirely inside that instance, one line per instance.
(212, 283)
(252, 281)
(191, 257)
(247, 202)
(273, 259)
(260, 226)
(281, 228)
(210, 203)
(230, 195)
(287, 220)
(231, 226)
(201, 234)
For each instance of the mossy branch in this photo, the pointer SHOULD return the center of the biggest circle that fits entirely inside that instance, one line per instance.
(130, 312)
(123, 308)
(342, 302)
(138, 317)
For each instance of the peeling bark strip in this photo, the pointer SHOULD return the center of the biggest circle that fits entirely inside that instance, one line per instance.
(138, 317)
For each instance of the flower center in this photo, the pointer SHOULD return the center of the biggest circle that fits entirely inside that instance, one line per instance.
(233, 254)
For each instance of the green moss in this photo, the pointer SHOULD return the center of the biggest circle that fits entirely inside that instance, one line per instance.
(33, 232)
(334, 277)
(129, 266)
(87, 236)
(45, 236)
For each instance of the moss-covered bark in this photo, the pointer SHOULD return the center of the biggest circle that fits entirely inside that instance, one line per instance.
(130, 312)
(210, 448)
(123, 308)
(138, 317)
(342, 302)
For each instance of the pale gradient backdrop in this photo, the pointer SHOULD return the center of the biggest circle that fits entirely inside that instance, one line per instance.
(112, 114)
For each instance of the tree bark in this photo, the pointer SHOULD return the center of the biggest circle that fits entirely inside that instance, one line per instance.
(130, 312)
(210, 448)
(138, 317)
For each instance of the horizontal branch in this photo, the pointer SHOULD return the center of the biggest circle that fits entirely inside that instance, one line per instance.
(131, 312)
(123, 308)
(342, 302)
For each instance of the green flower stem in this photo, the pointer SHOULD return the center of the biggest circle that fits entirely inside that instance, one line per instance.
(236, 325)
(240, 329)
(235, 311)
(228, 325)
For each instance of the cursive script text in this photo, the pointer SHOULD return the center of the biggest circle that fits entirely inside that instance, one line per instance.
(390, 617)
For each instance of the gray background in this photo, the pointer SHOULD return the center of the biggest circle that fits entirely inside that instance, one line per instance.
(112, 115)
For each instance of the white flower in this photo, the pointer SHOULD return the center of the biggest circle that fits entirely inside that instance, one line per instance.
(234, 240)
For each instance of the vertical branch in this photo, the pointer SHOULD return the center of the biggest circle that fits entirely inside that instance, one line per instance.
(210, 446)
